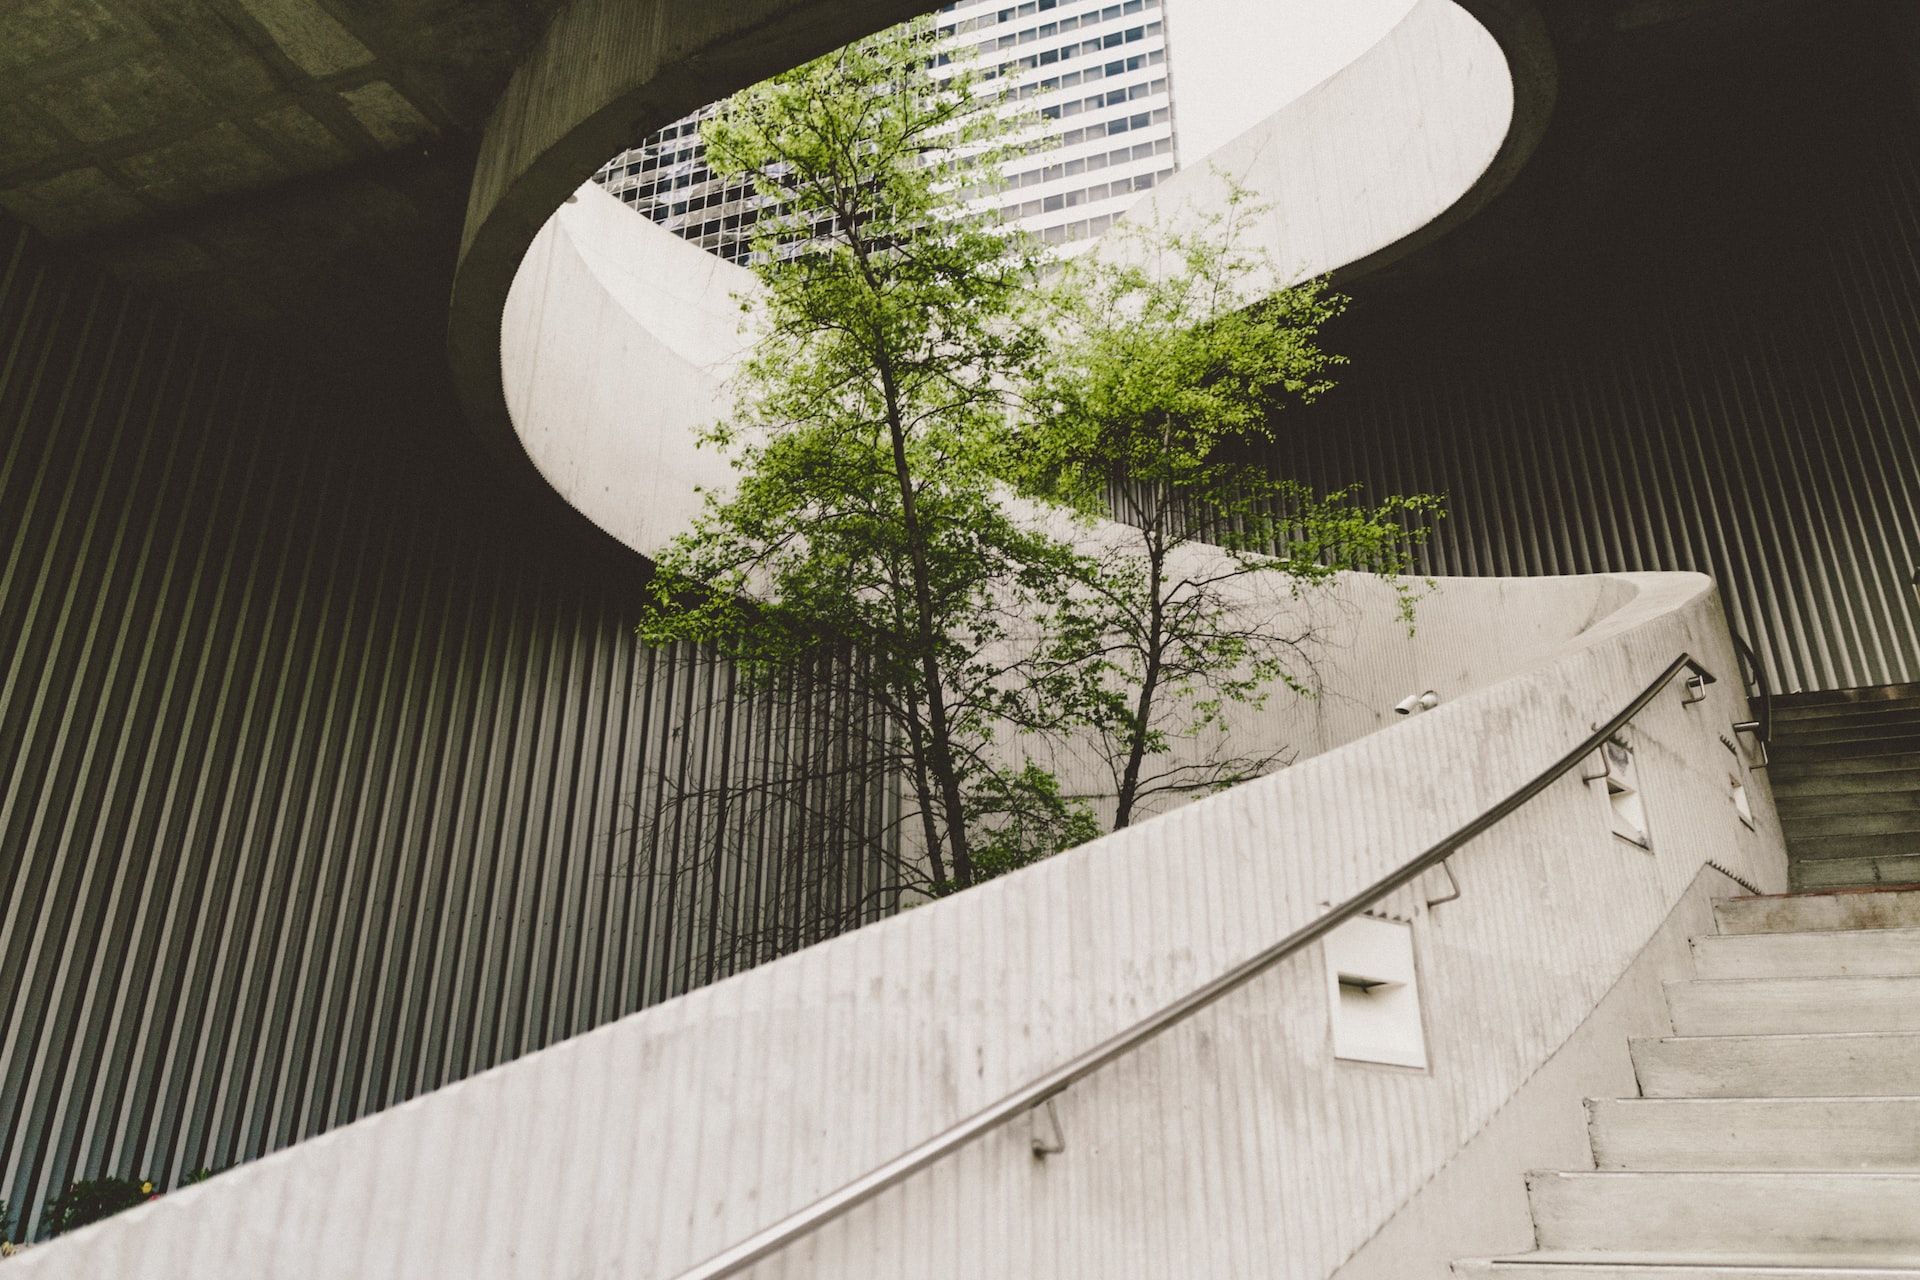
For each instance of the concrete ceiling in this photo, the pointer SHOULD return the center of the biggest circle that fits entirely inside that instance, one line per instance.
(260, 158)
(301, 168)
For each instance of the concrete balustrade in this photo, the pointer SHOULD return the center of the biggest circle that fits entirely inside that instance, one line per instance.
(1233, 1145)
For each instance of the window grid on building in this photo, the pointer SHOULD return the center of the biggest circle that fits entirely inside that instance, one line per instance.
(1118, 46)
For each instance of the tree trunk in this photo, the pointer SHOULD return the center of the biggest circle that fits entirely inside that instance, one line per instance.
(1143, 705)
(939, 732)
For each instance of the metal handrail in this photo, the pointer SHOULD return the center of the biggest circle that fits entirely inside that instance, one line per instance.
(1039, 1092)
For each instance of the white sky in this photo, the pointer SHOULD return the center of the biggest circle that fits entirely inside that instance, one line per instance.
(1236, 62)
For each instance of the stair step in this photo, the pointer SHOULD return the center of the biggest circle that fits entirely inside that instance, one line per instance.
(1790, 789)
(1822, 765)
(1897, 844)
(1878, 729)
(1833, 954)
(1833, 1065)
(1852, 822)
(1864, 695)
(1850, 873)
(1826, 1217)
(1803, 912)
(1790, 1006)
(1817, 719)
(1792, 751)
(1810, 804)
(1562, 1266)
(1756, 1133)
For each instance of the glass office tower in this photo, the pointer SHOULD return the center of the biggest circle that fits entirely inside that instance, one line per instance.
(1096, 71)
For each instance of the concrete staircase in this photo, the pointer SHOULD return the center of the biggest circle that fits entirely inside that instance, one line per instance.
(1777, 1131)
(1846, 779)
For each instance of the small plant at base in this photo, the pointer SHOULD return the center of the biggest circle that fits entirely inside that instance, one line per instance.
(92, 1199)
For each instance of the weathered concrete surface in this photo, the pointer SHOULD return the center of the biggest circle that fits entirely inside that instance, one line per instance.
(1234, 1145)
(158, 106)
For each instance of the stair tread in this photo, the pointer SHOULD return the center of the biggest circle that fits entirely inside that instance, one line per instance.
(1865, 1264)
(1855, 872)
(1844, 784)
(1865, 1100)
(1852, 822)
(1791, 720)
(1861, 844)
(1795, 765)
(1796, 1134)
(1808, 953)
(1844, 1002)
(1817, 1215)
(1799, 807)
(1868, 693)
(1578, 1264)
(1865, 907)
(1868, 737)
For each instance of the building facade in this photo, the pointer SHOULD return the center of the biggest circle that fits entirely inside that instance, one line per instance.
(1096, 72)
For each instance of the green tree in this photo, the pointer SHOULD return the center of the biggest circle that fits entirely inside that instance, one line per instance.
(1178, 352)
(894, 316)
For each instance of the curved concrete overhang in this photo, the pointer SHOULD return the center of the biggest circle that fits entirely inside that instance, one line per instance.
(609, 350)
(604, 73)
(572, 321)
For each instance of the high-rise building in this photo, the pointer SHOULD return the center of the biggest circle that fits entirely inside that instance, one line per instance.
(1096, 70)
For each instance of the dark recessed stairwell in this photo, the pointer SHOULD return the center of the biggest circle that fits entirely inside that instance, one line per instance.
(1846, 778)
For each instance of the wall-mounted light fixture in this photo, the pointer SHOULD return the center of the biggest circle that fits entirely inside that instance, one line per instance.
(1415, 702)
(1741, 805)
(1375, 993)
(1620, 784)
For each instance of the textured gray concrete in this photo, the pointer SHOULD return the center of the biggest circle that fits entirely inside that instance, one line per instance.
(296, 168)
(143, 108)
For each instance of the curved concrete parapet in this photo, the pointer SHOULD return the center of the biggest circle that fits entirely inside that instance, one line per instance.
(616, 334)
(1381, 157)
(617, 341)
(1234, 1144)
(604, 73)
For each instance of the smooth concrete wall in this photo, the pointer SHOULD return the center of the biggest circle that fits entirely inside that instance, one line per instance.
(324, 781)
(1368, 159)
(1233, 1145)
(603, 73)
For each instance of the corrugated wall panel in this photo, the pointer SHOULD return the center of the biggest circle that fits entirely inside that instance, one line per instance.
(317, 790)
(1741, 398)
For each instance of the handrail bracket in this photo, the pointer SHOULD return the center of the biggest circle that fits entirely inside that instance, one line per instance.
(1047, 1146)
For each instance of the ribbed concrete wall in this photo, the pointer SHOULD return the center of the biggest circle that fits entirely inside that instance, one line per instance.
(1233, 1145)
(1717, 369)
(317, 790)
